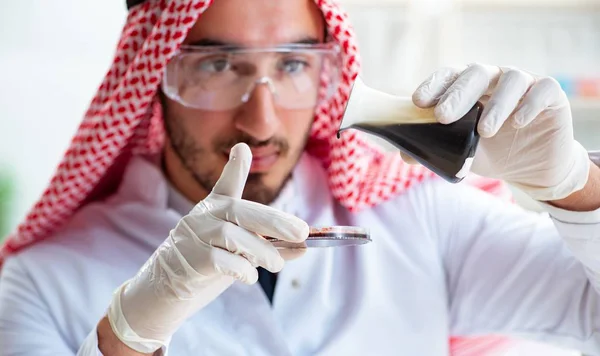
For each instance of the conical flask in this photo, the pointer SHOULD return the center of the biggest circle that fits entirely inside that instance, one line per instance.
(445, 149)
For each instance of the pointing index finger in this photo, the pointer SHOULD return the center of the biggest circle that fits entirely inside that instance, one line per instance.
(258, 218)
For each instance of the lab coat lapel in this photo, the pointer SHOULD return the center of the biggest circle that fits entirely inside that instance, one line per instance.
(304, 282)
(253, 319)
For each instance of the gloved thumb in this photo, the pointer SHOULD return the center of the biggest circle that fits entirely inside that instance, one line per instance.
(234, 175)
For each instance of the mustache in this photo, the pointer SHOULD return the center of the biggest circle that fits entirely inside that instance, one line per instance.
(282, 144)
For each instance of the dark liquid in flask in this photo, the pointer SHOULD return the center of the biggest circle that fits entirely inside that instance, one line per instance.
(442, 148)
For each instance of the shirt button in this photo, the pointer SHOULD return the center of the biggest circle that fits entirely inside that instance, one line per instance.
(295, 283)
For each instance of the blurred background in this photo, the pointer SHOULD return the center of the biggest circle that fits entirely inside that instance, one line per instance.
(54, 54)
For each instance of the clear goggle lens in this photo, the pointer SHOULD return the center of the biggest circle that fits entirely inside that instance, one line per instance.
(218, 78)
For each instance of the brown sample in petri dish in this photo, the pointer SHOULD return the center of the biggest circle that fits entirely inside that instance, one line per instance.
(333, 236)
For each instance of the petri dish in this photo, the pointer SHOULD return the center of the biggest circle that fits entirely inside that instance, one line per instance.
(333, 236)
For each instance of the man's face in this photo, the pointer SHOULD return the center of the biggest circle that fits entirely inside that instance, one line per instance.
(198, 141)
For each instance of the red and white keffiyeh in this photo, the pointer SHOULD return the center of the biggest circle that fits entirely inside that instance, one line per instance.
(125, 118)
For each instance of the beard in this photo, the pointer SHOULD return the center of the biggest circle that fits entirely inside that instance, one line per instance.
(191, 156)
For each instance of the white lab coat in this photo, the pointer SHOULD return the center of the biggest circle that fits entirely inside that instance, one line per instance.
(445, 260)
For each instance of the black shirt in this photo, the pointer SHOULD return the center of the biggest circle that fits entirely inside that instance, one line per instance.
(267, 281)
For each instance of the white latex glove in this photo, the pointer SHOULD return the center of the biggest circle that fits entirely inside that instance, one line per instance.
(526, 127)
(217, 243)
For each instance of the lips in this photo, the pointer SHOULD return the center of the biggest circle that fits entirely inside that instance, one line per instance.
(262, 164)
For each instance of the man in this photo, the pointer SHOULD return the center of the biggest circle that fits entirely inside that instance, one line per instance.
(147, 242)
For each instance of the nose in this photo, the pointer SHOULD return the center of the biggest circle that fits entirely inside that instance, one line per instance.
(257, 116)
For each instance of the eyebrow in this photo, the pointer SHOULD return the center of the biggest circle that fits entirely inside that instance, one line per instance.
(215, 42)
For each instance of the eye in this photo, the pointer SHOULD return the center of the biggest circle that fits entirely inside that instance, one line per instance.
(293, 66)
(215, 65)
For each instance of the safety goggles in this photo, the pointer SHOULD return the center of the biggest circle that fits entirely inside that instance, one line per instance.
(218, 78)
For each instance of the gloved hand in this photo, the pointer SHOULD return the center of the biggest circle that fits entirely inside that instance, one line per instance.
(218, 242)
(526, 127)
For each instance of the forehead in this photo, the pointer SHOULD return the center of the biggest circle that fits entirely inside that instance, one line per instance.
(259, 22)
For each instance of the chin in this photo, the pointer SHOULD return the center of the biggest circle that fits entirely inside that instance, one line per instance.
(258, 190)
(259, 194)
